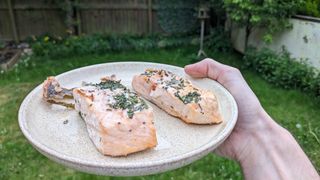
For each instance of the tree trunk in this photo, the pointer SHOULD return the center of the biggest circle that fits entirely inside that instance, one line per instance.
(248, 32)
(246, 41)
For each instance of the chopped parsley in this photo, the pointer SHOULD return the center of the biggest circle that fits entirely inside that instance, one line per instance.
(174, 83)
(108, 84)
(131, 102)
(190, 97)
(149, 72)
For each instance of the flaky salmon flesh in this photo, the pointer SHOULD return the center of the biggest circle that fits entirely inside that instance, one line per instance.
(118, 121)
(177, 96)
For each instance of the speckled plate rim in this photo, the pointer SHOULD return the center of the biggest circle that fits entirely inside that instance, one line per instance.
(198, 153)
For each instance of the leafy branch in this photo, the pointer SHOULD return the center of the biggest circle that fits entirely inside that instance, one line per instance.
(272, 15)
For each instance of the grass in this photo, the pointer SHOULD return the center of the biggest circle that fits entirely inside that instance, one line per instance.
(19, 160)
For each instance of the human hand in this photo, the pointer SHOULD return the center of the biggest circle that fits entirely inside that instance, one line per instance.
(237, 145)
(262, 147)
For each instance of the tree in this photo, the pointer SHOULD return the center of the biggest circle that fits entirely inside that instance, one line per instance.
(273, 15)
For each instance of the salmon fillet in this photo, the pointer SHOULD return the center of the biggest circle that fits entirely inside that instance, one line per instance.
(177, 96)
(118, 121)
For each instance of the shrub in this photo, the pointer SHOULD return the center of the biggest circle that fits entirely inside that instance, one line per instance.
(218, 40)
(282, 70)
(310, 8)
(2, 44)
(99, 44)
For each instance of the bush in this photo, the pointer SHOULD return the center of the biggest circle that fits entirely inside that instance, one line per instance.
(56, 47)
(2, 44)
(282, 70)
(218, 40)
(310, 8)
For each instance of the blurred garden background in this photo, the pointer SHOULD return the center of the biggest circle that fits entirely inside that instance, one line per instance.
(274, 43)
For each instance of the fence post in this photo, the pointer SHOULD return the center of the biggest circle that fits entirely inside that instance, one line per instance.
(13, 21)
(78, 21)
(150, 15)
(78, 17)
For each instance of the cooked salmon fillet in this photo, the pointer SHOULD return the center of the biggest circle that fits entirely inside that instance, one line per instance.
(177, 96)
(118, 121)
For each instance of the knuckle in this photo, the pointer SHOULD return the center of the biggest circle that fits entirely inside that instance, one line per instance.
(207, 60)
(231, 70)
(235, 70)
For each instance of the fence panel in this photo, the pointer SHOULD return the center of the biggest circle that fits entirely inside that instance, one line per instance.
(37, 17)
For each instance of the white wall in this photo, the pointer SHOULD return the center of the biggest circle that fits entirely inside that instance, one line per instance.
(302, 41)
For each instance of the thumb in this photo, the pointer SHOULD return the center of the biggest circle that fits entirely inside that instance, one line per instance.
(225, 75)
(205, 68)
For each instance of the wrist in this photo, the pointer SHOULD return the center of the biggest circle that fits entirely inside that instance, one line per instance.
(264, 139)
(274, 153)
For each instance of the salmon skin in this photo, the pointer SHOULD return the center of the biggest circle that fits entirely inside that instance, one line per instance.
(177, 96)
(118, 121)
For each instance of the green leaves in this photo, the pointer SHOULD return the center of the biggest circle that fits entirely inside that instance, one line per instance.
(273, 15)
(218, 40)
(57, 47)
(282, 70)
(267, 38)
(255, 19)
(310, 8)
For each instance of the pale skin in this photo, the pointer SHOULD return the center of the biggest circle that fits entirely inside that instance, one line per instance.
(264, 149)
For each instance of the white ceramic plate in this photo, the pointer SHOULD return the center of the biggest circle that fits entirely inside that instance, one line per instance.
(61, 135)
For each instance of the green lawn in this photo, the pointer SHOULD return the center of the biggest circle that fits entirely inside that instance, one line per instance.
(19, 160)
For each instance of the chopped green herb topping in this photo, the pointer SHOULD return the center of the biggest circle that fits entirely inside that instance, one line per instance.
(174, 83)
(108, 84)
(149, 72)
(190, 97)
(131, 103)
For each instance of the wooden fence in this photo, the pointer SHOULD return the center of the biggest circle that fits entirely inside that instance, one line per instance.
(22, 18)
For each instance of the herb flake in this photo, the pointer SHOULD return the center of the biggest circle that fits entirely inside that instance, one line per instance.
(108, 84)
(130, 102)
(190, 97)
